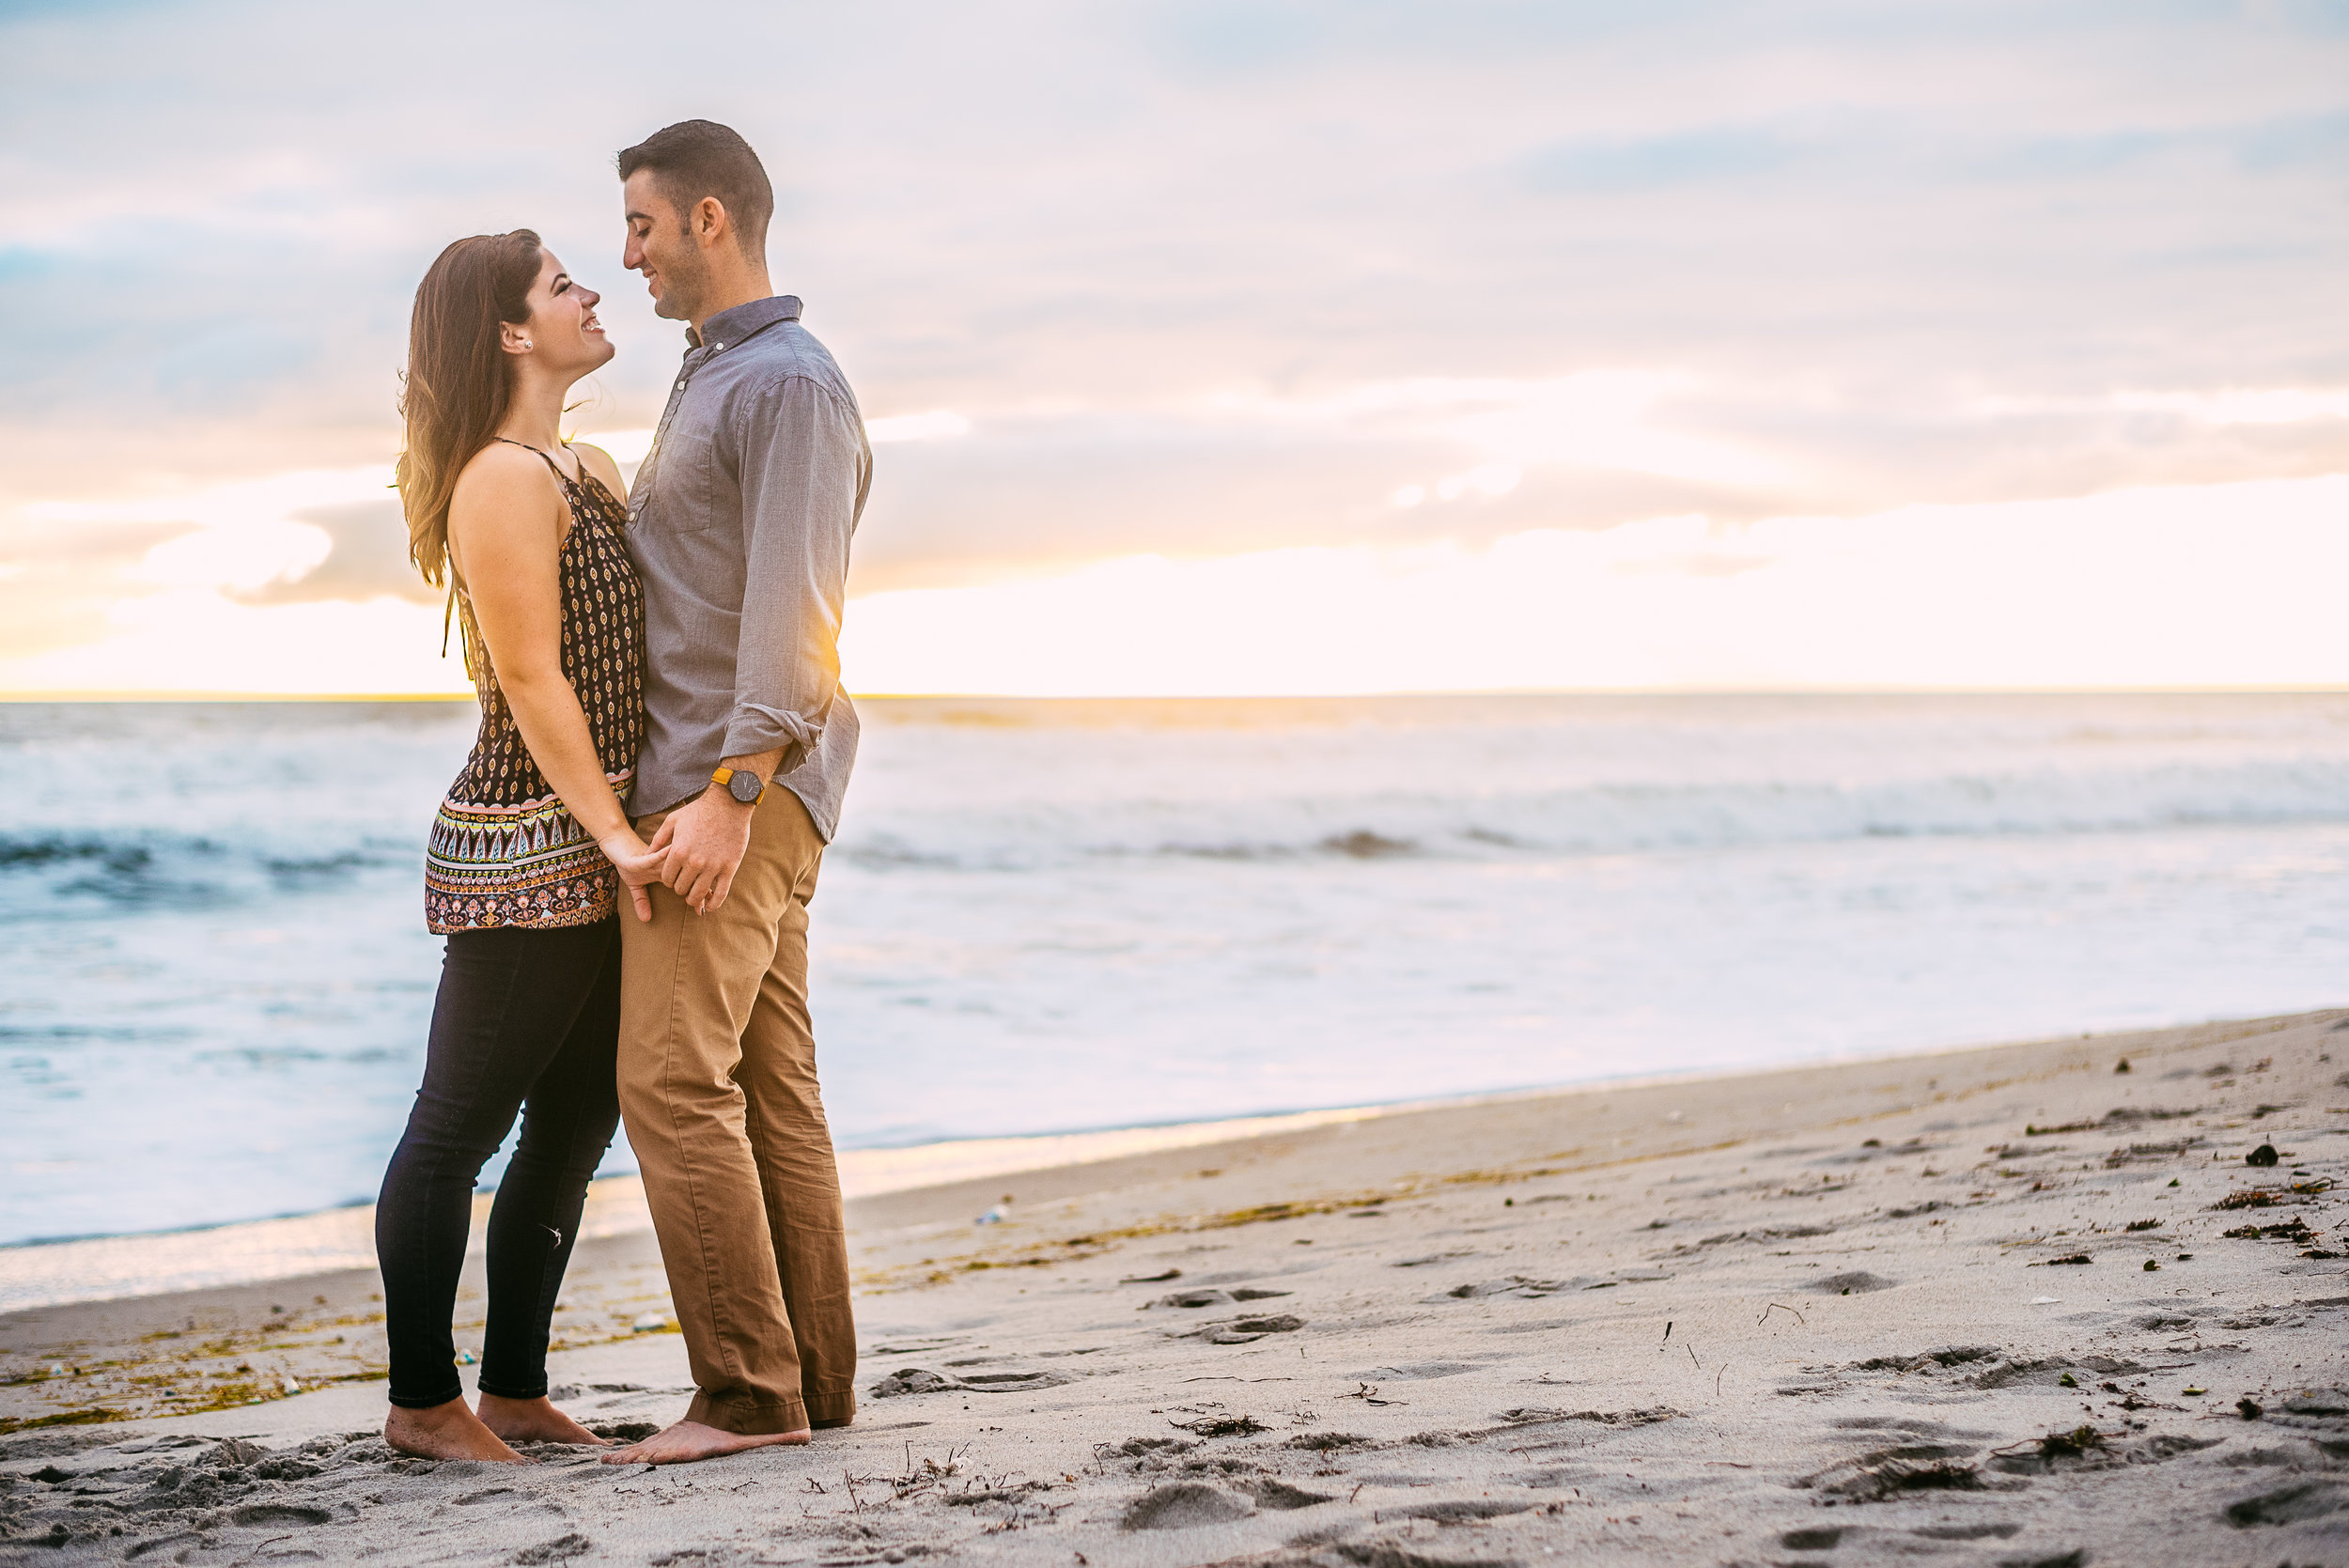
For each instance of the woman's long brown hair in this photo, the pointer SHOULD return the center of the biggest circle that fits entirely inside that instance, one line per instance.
(458, 384)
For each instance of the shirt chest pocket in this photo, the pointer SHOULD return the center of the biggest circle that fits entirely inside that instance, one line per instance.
(687, 484)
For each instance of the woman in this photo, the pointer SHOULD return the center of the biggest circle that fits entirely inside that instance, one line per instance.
(531, 848)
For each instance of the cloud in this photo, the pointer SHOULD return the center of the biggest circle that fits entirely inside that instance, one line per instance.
(1595, 419)
(240, 558)
(366, 558)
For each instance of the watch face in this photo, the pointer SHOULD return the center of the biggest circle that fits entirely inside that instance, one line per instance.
(744, 787)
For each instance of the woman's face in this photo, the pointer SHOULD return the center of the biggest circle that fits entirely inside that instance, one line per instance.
(563, 332)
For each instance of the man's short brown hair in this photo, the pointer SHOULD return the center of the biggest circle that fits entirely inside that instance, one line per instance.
(699, 157)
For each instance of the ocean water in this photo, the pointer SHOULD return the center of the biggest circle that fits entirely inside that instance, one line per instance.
(1055, 916)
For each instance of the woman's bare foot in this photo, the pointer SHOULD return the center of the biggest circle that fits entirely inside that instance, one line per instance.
(533, 1421)
(447, 1431)
(686, 1441)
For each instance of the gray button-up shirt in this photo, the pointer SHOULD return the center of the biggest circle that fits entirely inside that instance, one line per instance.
(740, 527)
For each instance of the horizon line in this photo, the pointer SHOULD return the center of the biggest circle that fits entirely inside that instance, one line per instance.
(2082, 690)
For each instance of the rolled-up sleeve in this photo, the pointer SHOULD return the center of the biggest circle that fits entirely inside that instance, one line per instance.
(805, 469)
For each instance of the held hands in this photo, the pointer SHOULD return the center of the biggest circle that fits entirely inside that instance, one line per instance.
(704, 841)
(638, 866)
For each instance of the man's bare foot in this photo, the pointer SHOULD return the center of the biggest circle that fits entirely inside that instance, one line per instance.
(447, 1431)
(533, 1421)
(686, 1441)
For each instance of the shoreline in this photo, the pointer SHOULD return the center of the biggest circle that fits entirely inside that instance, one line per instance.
(42, 1273)
(2003, 1304)
(79, 1270)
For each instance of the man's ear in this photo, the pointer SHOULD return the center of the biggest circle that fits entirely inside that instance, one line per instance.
(710, 220)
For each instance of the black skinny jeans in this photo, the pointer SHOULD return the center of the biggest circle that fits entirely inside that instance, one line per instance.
(526, 1020)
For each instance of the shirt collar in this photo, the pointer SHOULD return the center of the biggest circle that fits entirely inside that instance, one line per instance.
(729, 327)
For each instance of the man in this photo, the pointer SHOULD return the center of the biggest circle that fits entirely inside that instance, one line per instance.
(739, 528)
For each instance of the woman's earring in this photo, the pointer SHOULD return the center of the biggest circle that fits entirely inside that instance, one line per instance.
(526, 345)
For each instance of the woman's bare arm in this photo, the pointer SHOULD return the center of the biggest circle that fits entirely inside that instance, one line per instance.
(506, 529)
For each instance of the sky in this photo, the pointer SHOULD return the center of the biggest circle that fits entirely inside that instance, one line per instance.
(1280, 346)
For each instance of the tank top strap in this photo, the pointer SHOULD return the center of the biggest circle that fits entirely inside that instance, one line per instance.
(546, 458)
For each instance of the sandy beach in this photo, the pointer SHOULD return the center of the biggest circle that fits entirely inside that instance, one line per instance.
(2001, 1306)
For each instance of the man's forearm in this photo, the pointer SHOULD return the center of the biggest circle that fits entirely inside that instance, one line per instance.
(781, 721)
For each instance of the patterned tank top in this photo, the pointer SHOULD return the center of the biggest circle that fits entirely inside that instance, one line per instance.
(504, 850)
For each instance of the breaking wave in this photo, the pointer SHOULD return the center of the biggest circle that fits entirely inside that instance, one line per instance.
(1613, 818)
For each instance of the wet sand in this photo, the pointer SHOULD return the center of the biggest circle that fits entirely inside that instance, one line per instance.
(1850, 1315)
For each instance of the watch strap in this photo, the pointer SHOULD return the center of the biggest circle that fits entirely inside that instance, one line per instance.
(723, 777)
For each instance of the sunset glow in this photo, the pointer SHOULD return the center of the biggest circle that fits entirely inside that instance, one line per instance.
(2212, 586)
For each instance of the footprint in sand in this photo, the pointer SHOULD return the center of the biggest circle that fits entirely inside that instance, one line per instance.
(2064, 1452)
(1516, 1285)
(1194, 1299)
(1412, 1372)
(1884, 1473)
(1857, 1281)
(2289, 1504)
(2324, 1410)
(1247, 1330)
(1185, 1505)
(1466, 1511)
(2049, 1371)
(1998, 1530)
(921, 1380)
(1913, 1426)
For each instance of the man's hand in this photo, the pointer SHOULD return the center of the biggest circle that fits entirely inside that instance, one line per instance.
(704, 840)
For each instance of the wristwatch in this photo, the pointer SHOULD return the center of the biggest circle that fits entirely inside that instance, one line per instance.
(743, 784)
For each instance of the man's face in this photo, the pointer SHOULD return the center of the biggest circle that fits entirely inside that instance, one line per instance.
(676, 271)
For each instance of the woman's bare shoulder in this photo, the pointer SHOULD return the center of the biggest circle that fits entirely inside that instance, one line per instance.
(504, 475)
(500, 460)
(505, 490)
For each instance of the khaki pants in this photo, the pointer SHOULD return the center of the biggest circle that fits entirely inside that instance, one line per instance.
(718, 1087)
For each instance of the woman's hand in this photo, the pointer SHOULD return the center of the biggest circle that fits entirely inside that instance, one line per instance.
(638, 866)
